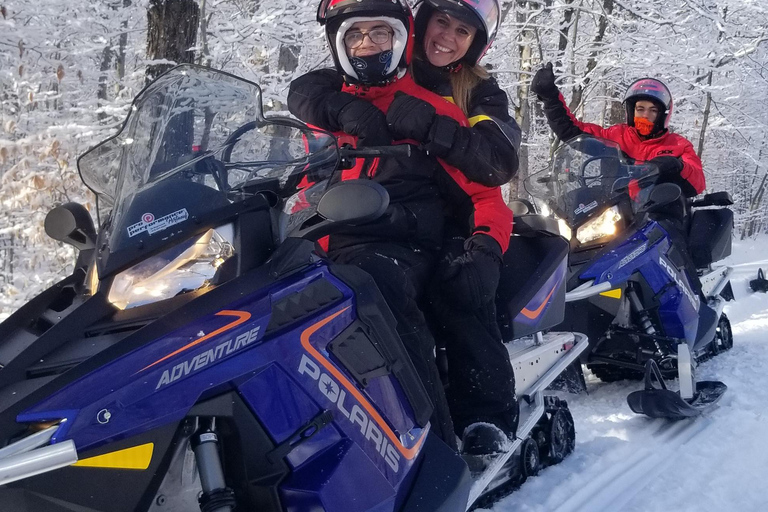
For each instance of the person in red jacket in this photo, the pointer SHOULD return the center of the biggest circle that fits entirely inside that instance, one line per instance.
(645, 137)
(371, 44)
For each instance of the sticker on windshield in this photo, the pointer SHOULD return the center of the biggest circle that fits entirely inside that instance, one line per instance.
(585, 208)
(152, 225)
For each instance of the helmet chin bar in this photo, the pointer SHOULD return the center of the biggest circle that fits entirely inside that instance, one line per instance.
(399, 43)
(659, 125)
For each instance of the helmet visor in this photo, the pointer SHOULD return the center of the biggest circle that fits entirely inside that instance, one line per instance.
(650, 88)
(326, 7)
(483, 14)
(488, 11)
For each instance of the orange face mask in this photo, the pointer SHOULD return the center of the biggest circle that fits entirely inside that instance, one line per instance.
(644, 126)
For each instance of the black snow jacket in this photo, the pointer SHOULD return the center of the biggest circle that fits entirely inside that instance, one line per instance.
(486, 151)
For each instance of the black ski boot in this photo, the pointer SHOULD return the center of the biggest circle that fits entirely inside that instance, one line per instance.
(484, 439)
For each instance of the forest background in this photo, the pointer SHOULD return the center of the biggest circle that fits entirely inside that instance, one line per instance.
(69, 70)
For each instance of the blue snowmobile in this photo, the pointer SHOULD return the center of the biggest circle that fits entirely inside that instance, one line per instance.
(628, 289)
(203, 355)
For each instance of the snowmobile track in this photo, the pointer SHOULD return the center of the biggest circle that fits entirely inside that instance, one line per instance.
(617, 485)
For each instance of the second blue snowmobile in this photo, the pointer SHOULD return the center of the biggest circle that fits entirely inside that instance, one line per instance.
(628, 288)
(204, 355)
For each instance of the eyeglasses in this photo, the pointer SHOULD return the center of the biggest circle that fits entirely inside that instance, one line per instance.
(377, 36)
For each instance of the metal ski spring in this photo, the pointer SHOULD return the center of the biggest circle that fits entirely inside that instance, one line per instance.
(637, 306)
(216, 497)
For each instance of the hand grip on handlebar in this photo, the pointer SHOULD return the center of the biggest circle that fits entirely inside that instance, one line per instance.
(401, 150)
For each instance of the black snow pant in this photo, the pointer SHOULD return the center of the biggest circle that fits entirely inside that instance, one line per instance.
(401, 274)
(480, 379)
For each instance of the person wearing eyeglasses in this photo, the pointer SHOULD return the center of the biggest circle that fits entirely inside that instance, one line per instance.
(371, 45)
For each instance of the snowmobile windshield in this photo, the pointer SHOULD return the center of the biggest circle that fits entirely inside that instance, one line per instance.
(587, 175)
(195, 143)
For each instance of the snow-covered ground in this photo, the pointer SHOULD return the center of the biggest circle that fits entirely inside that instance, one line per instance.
(717, 462)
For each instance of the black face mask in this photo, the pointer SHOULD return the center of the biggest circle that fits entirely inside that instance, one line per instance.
(372, 68)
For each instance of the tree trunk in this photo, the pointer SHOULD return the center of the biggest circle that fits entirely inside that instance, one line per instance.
(171, 34)
(205, 57)
(522, 113)
(705, 122)
(565, 27)
(106, 64)
(123, 42)
(602, 26)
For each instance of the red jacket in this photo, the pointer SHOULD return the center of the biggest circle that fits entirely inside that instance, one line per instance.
(484, 206)
(566, 126)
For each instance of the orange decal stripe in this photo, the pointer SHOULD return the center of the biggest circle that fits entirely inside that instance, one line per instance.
(352, 389)
(532, 315)
(242, 316)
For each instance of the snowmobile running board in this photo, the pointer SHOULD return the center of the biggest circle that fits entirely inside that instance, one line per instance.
(660, 402)
(548, 357)
(28, 457)
(714, 282)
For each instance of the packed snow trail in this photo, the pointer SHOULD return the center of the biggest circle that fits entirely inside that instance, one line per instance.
(629, 463)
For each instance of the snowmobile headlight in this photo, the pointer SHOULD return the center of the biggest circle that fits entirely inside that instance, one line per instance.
(187, 267)
(600, 227)
(564, 228)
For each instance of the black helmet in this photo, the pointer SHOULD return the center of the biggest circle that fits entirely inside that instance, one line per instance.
(481, 14)
(337, 16)
(649, 89)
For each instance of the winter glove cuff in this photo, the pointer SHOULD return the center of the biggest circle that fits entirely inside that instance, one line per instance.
(336, 103)
(409, 117)
(441, 135)
(484, 243)
(364, 120)
(668, 165)
(543, 83)
(470, 280)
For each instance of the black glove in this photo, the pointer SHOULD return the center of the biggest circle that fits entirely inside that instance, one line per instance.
(360, 118)
(543, 83)
(409, 117)
(668, 165)
(470, 280)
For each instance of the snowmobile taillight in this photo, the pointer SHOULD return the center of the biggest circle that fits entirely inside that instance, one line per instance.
(568, 346)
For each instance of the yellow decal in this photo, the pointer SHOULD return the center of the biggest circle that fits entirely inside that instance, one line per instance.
(476, 119)
(614, 294)
(137, 457)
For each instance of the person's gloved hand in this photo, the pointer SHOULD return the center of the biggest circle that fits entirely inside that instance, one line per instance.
(409, 117)
(364, 120)
(470, 280)
(668, 165)
(543, 83)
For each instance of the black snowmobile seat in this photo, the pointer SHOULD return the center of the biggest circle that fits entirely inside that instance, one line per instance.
(528, 263)
(709, 238)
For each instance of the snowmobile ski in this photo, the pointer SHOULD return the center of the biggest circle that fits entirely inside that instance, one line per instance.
(656, 401)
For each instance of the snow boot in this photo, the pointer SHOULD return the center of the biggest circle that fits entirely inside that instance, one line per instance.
(484, 439)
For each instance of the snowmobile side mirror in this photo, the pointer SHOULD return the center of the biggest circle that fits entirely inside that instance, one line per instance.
(520, 207)
(72, 224)
(662, 196)
(352, 202)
